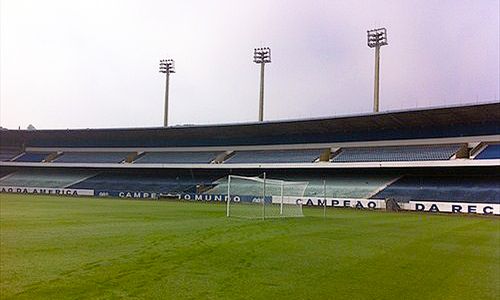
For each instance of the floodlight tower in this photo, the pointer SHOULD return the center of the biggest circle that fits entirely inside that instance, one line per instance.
(261, 56)
(167, 66)
(376, 39)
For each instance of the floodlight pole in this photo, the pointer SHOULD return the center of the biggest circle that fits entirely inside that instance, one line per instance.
(261, 56)
(261, 93)
(167, 66)
(376, 100)
(376, 39)
(165, 115)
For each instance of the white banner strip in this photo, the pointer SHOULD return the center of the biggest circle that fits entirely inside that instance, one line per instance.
(427, 206)
(45, 191)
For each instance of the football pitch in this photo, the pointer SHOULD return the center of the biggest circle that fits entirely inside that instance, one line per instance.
(61, 247)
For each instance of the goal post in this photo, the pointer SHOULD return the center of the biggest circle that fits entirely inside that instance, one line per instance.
(228, 194)
(262, 197)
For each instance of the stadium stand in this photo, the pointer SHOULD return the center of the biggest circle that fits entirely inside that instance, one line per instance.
(274, 156)
(490, 152)
(177, 157)
(342, 186)
(46, 178)
(397, 153)
(144, 182)
(475, 189)
(8, 153)
(439, 137)
(4, 173)
(337, 186)
(91, 157)
(32, 157)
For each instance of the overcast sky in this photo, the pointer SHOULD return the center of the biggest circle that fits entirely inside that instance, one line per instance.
(94, 63)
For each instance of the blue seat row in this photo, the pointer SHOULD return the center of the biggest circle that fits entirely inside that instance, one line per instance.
(8, 154)
(177, 157)
(275, 156)
(490, 152)
(397, 153)
(32, 157)
(45, 177)
(157, 183)
(354, 154)
(92, 157)
(483, 189)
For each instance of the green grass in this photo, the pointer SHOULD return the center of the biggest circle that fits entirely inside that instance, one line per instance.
(56, 247)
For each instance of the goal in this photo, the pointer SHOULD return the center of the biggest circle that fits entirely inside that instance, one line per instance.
(260, 197)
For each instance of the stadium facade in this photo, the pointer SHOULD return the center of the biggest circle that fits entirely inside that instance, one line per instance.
(438, 159)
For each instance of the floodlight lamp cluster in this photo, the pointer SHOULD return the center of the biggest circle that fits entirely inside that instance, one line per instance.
(377, 37)
(167, 66)
(262, 55)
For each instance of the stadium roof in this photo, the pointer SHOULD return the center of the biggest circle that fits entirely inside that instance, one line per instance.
(464, 120)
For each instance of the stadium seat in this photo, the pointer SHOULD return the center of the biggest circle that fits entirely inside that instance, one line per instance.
(490, 152)
(176, 157)
(337, 186)
(32, 157)
(46, 178)
(4, 173)
(480, 189)
(275, 156)
(397, 153)
(143, 182)
(91, 157)
(7, 154)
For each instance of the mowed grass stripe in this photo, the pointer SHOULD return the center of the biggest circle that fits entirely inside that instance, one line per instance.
(59, 247)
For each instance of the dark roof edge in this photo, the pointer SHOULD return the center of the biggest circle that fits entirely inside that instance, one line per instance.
(345, 116)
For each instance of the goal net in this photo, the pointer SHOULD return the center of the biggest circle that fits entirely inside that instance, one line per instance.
(261, 197)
